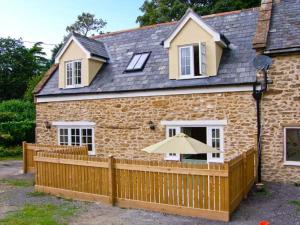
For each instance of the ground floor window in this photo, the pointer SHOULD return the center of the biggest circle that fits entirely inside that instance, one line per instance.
(292, 145)
(77, 136)
(210, 135)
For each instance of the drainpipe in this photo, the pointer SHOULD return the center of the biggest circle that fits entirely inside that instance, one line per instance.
(257, 95)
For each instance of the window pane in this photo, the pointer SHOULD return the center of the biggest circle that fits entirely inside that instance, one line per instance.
(292, 144)
(69, 73)
(138, 61)
(63, 136)
(141, 61)
(77, 66)
(75, 137)
(133, 62)
(89, 132)
(87, 138)
(185, 61)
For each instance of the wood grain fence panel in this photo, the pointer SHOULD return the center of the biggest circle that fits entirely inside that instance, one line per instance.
(215, 189)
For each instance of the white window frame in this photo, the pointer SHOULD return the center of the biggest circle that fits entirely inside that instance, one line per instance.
(69, 127)
(210, 157)
(211, 124)
(202, 74)
(202, 59)
(192, 72)
(286, 162)
(168, 156)
(73, 85)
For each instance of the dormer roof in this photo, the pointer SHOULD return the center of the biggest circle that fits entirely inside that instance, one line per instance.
(190, 14)
(92, 48)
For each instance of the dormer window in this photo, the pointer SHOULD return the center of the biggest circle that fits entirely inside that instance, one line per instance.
(137, 62)
(192, 60)
(73, 73)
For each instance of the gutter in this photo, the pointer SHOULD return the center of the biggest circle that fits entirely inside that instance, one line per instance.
(282, 50)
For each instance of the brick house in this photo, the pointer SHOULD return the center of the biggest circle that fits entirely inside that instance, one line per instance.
(122, 91)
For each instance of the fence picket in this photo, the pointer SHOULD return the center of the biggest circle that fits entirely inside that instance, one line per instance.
(167, 186)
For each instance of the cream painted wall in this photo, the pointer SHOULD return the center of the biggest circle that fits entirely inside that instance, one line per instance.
(192, 33)
(94, 67)
(89, 67)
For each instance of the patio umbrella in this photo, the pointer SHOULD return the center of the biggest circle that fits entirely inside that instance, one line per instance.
(182, 144)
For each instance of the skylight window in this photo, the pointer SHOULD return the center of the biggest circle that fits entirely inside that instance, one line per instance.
(138, 61)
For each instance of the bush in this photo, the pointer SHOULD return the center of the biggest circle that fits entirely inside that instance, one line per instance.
(10, 152)
(23, 110)
(28, 96)
(7, 116)
(16, 122)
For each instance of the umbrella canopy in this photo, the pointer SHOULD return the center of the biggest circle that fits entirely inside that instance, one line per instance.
(181, 144)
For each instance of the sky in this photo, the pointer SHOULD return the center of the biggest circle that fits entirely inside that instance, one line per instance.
(46, 20)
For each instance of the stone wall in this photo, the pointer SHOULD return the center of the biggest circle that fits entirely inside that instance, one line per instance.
(280, 107)
(122, 124)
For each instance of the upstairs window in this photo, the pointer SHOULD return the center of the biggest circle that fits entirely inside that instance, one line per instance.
(73, 73)
(137, 62)
(192, 60)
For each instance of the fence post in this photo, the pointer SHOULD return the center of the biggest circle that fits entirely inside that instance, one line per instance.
(227, 190)
(111, 179)
(245, 175)
(256, 158)
(24, 157)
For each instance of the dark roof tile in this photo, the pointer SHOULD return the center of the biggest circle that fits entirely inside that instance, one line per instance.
(235, 66)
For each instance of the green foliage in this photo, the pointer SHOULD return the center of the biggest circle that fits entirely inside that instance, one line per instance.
(36, 194)
(160, 11)
(86, 23)
(296, 203)
(10, 152)
(41, 214)
(18, 182)
(28, 96)
(17, 122)
(55, 50)
(262, 193)
(17, 65)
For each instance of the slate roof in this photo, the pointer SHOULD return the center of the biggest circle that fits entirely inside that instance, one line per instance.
(285, 25)
(96, 48)
(235, 67)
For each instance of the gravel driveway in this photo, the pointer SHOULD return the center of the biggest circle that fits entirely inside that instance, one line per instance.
(274, 206)
(10, 168)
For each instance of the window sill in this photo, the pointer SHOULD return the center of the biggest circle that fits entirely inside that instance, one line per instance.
(291, 163)
(192, 77)
(71, 87)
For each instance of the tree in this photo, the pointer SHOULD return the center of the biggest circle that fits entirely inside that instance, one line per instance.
(55, 50)
(17, 65)
(86, 23)
(28, 95)
(160, 11)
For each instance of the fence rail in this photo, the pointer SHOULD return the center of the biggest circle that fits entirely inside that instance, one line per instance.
(31, 150)
(209, 191)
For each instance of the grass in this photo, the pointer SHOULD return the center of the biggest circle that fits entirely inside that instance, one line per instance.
(19, 157)
(296, 203)
(18, 182)
(11, 153)
(36, 194)
(47, 214)
(262, 193)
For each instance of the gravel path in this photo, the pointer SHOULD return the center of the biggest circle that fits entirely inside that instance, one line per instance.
(10, 168)
(273, 206)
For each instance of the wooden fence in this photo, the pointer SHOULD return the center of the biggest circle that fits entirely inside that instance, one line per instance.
(209, 191)
(30, 150)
